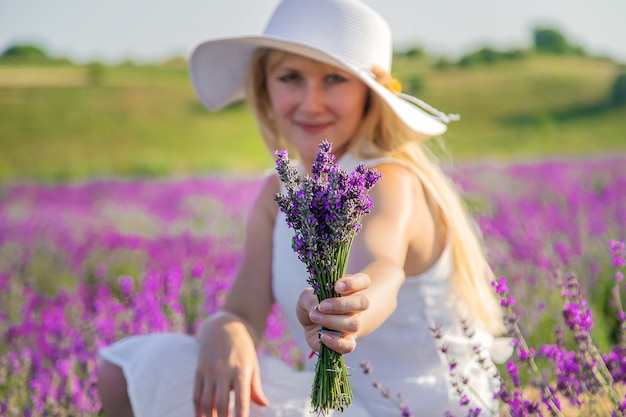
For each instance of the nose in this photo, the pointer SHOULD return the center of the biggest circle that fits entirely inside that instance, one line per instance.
(313, 98)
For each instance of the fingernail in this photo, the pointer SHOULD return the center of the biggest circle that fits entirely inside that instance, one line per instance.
(323, 306)
(340, 286)
(315, 316)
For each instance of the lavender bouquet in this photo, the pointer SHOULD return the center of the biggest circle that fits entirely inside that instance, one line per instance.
(325, 211)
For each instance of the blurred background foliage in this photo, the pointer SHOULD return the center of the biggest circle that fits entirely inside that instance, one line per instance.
(65, 121)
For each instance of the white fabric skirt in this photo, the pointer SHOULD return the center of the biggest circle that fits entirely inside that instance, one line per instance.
(160, 369)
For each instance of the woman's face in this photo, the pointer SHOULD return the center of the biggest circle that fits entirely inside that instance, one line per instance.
(311, 101)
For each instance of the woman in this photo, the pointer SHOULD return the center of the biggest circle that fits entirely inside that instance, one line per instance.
(321, 70)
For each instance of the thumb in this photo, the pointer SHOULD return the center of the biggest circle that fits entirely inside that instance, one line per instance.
(306, 302)
(257, 394)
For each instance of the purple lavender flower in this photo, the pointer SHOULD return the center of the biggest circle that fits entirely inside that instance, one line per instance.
(397, 400)
(525, 355)
(621, 409)
(406, 412)
(618, 252)
(126, 285)
(325, 209)
(513, 373)
(367, 367)
(500, 286)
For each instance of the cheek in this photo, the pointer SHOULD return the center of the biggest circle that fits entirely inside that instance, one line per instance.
(354, 101)
(284, 107)
(355, 107)
(280, 103)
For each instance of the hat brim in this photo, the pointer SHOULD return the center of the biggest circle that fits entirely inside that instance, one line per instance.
(218, 67)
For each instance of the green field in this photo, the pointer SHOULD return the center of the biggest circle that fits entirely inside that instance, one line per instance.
(77, 122)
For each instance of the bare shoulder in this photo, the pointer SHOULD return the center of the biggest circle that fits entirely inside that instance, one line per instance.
(265, 207)
(410, 216)
(398, 182)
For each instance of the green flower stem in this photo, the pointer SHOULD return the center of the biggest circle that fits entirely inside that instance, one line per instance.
(331, 388)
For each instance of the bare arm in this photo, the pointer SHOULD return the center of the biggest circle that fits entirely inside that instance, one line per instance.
(250, 296)
(400, 223)
(227, 359)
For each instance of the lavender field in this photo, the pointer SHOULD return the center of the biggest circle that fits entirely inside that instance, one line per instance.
(84, 264)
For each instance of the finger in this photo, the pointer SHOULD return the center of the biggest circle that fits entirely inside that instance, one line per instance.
(222, 399)
(242, 397)
(202, 397)
(307, 300)
(352, 283)
(341, 323)
(258, 396)
(343, 305)
(343, 344)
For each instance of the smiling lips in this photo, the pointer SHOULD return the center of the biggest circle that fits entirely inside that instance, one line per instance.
(312, 127)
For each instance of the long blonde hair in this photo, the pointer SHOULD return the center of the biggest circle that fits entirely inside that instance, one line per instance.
(383, 134)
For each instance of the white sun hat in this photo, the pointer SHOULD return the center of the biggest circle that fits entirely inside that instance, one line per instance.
(344, 33)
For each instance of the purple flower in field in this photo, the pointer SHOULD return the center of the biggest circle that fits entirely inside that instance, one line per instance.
(518, 405)
(83, 231)
(367, 367)
(437, 331)
(563, 251)
(507, 301)
(64, 368)
(197, 271)
(577, 317)
(174, 278)
(500, 285)
(616, 363)
(275, 329)
(621, 409)
(126, 285)
(386, 393)
(525, 355)
(513, 373)
(618, 252)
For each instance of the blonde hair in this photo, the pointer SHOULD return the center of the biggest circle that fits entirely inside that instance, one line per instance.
(383, 134)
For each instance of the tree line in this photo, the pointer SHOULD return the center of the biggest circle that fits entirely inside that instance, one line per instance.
(545, 41)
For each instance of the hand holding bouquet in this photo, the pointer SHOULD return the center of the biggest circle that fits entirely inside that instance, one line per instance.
(325, 211)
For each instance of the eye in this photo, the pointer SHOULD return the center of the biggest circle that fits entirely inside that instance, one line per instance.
(290, 77)
(335, 79)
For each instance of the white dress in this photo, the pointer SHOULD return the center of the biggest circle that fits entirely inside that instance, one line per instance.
(160, 368)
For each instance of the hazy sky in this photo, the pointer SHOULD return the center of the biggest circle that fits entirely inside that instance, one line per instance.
(151, 30)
